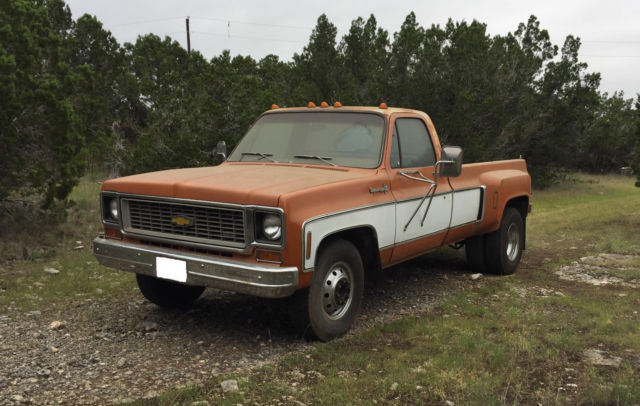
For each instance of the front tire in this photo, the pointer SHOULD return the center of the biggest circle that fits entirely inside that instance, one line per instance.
(503, 247)
(336, 290)
(166, 293)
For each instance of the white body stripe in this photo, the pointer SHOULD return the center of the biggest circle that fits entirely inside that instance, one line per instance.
(388, 220)
(466, 207)
(381, 218)
(437, 218)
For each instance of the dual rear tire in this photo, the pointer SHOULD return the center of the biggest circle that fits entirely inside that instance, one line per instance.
(498, 252)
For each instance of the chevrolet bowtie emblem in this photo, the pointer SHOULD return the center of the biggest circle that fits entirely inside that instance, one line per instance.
(182, 221)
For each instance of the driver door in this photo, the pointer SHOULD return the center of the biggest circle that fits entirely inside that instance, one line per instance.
(412, 164)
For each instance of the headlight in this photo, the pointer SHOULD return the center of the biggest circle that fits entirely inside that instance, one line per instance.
(272, 226)
(113, 209)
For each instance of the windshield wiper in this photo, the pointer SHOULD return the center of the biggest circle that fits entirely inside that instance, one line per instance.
(320, 158)
(260, 154)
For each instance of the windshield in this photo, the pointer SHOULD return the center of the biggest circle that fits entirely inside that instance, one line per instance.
(341, 139)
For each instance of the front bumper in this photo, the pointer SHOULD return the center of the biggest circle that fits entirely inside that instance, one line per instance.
(202, 270)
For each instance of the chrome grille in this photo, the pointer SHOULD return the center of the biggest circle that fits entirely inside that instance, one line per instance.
(208, 224)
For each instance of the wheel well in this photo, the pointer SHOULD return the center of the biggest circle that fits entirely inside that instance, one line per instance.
(366, 241)
(521, 204)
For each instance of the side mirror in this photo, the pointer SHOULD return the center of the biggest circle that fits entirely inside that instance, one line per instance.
(451, 165)
(221, 149)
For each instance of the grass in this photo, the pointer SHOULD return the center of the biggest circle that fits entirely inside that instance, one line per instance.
(506, 340)
(52, 240)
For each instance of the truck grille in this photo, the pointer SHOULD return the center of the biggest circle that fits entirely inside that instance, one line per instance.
(203, 224)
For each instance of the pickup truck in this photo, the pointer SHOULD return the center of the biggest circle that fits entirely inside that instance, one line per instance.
(312, 202)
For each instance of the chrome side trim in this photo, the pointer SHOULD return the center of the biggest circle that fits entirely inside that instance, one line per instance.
(202, 270)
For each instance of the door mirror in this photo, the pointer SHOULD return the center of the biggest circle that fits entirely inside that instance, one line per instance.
(221, 149)
(451, 162)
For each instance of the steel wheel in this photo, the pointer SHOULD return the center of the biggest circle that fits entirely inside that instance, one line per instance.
(337, 292)
(513, 242)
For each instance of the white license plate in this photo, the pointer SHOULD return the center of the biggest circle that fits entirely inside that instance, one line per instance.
(174, 269)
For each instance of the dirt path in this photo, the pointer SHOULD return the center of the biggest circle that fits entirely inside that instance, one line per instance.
(109, 350)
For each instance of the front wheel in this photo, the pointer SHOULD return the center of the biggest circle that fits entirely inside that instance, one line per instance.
(166, 293)
(503, 247)
(336, 290)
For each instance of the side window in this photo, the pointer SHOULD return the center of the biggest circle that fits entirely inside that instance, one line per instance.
(411, 145)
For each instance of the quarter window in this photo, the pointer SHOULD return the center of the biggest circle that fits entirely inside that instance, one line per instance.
(411, 145)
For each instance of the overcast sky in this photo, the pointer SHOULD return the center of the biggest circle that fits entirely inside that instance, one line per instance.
(610, 30)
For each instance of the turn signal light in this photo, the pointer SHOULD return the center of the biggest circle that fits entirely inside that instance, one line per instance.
(114, 233)
(311, 104)
(274, 257)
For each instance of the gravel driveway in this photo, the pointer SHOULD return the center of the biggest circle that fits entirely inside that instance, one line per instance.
(107, 350)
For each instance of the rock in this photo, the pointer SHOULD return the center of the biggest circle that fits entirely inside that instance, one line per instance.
(394, 386)
(44, 372)
(200, 403)
(57, 325)
(230, 385)
(599, 357)
(449, 403)
(51, 271)
(34, 313)
(18, 398)
(147, 326)
(121, 362)
(475, 276)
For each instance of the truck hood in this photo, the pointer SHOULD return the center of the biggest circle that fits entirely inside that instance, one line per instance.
(246, 183)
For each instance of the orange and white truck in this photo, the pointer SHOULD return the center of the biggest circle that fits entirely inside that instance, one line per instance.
(312, 202)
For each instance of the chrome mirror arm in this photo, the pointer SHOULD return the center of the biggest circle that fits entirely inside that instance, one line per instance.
(433, 185)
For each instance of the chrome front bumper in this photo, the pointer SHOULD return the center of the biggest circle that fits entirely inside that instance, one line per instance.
(202, 270)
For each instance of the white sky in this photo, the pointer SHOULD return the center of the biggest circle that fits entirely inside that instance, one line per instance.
(610, 30)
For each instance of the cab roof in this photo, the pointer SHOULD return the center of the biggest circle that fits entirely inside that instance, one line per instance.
(373, 109)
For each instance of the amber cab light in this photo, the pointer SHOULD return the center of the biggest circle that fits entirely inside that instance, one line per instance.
(274, 106)
(311, 104)
(324, 104)
(337, 104)
(383, 105)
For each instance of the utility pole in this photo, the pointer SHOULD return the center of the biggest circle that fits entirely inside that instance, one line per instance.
(188, 37)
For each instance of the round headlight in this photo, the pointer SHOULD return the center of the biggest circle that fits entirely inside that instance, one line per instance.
(272, 226)
(113, 208)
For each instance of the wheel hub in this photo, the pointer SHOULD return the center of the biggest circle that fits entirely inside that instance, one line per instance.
(513, 242)
(337, 292)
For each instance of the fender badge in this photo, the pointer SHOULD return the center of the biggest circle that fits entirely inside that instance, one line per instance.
(182, 221)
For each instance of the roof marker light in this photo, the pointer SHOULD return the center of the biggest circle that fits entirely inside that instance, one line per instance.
(311, 104)
(337, 104)
(383, 105)
(274, 106)
(324, 104)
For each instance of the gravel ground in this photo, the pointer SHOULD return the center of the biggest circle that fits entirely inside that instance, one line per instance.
(108, 351)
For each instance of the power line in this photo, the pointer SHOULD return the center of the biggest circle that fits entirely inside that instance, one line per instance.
(145, 21)
(211, 34)
(252, 23)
